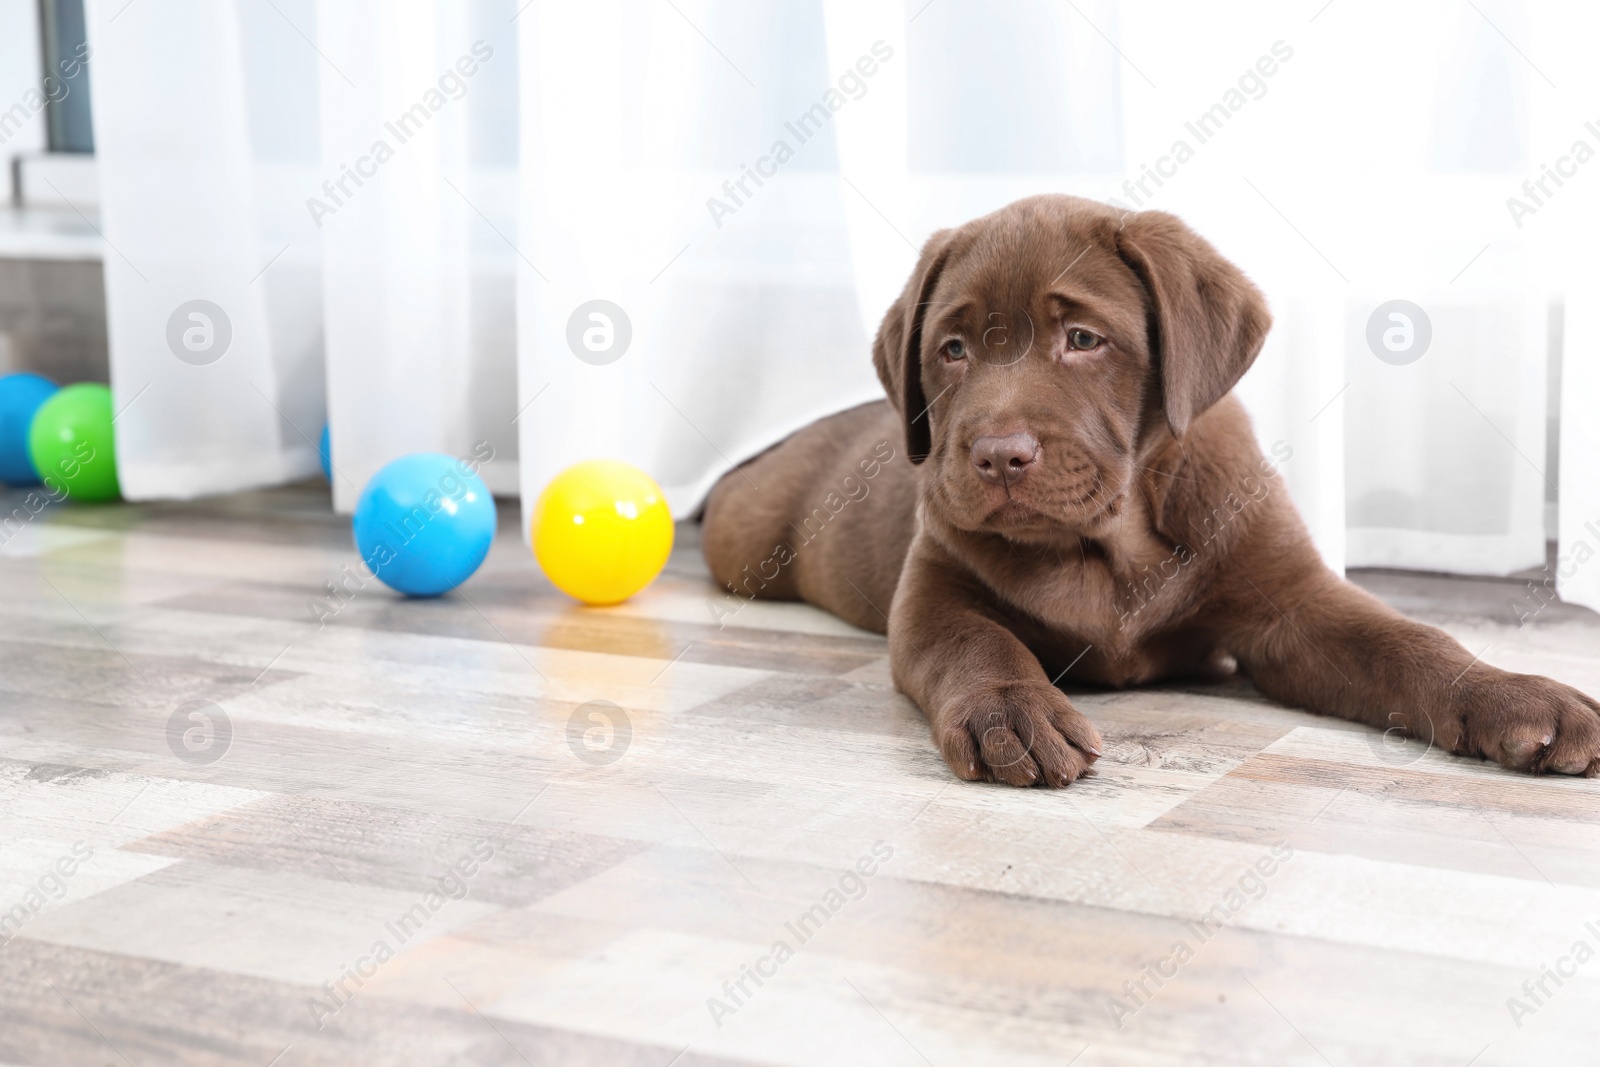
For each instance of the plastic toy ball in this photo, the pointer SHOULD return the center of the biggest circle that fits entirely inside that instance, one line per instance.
(424, 523)
(20, 397)
(71, 445)
(325, 453)
(602, 531)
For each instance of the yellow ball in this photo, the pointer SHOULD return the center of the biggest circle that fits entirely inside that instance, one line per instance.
(602, 531)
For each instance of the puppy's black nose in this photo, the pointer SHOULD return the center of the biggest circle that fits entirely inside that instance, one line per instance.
(1003, 460)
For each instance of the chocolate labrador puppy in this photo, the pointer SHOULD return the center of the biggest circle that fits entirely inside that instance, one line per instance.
(1080, 496)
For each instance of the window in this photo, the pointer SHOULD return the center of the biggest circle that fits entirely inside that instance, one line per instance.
(66, 69)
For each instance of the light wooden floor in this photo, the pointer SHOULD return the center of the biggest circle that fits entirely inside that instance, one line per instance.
(210, 899)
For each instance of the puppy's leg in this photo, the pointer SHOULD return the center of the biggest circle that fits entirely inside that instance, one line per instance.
(993, 711)
(1318, 642)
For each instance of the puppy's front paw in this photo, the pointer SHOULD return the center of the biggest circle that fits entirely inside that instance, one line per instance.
(1020, 734)
(1525, 722)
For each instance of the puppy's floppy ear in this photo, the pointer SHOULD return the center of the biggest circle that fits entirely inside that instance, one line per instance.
(1209, 321)
(897, 352)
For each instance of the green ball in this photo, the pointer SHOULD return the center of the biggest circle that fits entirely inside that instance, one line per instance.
(71, 446)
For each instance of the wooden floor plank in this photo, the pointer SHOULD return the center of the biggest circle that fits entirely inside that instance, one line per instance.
(68, 1005)
(743, 764)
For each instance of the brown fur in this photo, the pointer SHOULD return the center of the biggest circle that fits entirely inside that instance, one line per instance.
(1140, 536)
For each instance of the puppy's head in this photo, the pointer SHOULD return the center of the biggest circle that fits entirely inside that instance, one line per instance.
(1035, 350)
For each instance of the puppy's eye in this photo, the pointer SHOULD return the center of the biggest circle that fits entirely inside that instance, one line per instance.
(1082, 339)
(954, 349)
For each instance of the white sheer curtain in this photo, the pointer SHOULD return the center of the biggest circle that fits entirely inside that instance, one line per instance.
(636, 116)
(188, 215)
(419, 280)
(744, 188)
(1339, 193)
(1337, 188)
(232, 140)
(1565, 238)
(1353, 182)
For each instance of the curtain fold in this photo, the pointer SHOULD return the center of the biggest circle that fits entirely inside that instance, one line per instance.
(1564, 231)
(687, 296)
(1577, 572)
(216, 386)
(415, 212)
(1342, 195)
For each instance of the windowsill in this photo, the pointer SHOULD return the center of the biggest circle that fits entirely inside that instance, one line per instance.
(50, 233)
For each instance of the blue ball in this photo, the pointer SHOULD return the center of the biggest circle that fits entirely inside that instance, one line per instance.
(325, 452)
(424, 523)
(20, 396)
